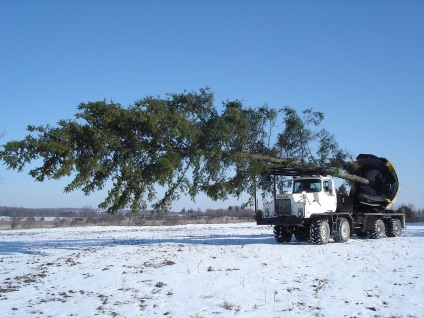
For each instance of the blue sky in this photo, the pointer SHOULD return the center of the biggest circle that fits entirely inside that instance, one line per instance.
(359, 62)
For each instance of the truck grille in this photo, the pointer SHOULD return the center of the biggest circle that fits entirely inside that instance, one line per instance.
(283, 207)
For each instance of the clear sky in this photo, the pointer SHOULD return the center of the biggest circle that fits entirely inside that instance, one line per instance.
(359, 62)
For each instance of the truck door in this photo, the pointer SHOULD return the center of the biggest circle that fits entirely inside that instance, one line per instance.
(328, 196)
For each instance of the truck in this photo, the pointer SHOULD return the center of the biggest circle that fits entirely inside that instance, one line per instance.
(315, 210)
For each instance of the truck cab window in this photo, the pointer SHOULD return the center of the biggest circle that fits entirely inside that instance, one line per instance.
(315, 186)
(297, 187)
(307, 185)
(328, 186)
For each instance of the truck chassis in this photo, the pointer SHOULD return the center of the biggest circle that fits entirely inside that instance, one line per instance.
(314, 209)
(341, 225)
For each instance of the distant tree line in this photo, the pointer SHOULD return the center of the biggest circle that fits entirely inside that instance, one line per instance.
(232, 212)
(44, 212)
(412, 214)
(33, 217)
(62, 217)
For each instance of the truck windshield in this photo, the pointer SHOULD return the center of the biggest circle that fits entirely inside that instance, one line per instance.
(308, 185)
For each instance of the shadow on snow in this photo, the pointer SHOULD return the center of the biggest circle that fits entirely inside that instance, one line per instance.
(37, 247)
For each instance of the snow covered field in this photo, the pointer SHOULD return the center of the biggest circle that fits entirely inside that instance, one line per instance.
(207, 271)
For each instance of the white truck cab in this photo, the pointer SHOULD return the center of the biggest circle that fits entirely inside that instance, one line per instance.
(310, 195)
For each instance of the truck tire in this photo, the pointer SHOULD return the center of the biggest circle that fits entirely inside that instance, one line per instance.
(342, 232)
(281, 235)
(378, 230)
(320, 232)
(393, 228)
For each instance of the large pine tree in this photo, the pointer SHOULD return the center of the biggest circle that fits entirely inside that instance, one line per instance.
(180, 142)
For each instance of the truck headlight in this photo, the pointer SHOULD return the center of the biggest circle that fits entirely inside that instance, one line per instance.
(300, 212)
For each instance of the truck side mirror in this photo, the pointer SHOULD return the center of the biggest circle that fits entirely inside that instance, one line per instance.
(328, 187)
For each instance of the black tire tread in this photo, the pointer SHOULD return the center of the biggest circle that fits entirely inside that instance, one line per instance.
(316, 231)
(393, 228)
(280, 235)
(338, 234)
(374, 233)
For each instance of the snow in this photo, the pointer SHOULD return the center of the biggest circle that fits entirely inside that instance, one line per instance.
(207, 270)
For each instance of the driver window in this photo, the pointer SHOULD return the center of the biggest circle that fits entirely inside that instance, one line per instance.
(297, 187)
(315, 186)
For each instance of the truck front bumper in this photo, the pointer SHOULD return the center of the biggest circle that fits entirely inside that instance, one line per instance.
(281, 220)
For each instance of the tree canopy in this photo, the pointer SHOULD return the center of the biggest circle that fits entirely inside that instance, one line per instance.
(181, 143)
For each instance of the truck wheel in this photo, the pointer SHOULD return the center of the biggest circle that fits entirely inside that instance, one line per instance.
(281, 235)
(378, 230)
(342, 231)
(320, 232)
(394, 228)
